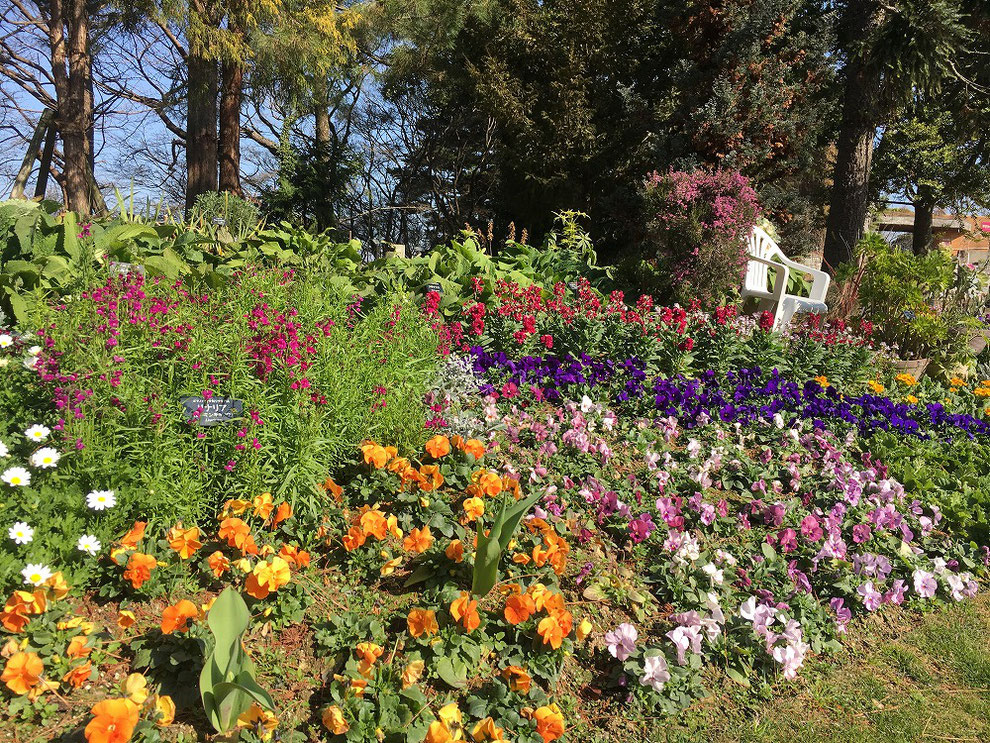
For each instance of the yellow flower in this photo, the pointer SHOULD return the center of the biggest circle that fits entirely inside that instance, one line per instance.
(912, 399)
(474, 508)
(957, 382)
(485, 730)
(412, 673)
(166, 710)
(822, 380)
(262, 721)
(583, 630)
(389, 567)
(125, 618)
(135, 688)
(876, 387)
(906, 379)
(333, 720)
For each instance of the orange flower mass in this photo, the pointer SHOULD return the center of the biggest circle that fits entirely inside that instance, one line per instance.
(354, 538)
(263, 505)
(176, 618)
(474, 508)
(375, 455)
(465, 611)
(19, 607)
(455, 551)
(474, 447)
(282, 513)
(238, 534)
(419, 540)
(77, 647)
(184, 541)
(218, 563)
(374, 524)
(517, 678)
(113, 721)
(438, 446)
(368, 652)
(489, 483)
(549, 722)
(429, 478)
(79, 675)
(135, 535)
(518, 608)
(267, 577)
(422, 621)
(139, 568)
(296, 557)
(22, 672)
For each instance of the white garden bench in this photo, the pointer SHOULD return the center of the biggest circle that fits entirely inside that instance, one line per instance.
(765, 254)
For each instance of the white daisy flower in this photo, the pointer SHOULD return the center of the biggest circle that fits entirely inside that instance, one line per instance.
(45, 458)
(3, 449)
(16, 477)
(36, 575)
(34, 350)
(100, 500)
(6, 341)
(38, 432)
(21, 533)
(89, 544)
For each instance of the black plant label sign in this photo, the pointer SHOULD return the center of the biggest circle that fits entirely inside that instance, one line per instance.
(434, 288)
(214, 411)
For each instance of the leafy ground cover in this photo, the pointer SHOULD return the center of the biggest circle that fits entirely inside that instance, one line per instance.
(552, 515)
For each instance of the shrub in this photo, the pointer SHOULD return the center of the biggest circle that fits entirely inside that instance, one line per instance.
(214, 210)
(918, 303)
(697, 225)
(314, 373)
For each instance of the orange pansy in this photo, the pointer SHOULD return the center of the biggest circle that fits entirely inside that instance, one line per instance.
(282, 513)
(113, 721)
(464, 609)
(419, 540)
(22, 672)
(139, 568)
(438, 446)
(474, 508)
(422, 621)
(296, 557)
(184, 541)
(549, 722)
(518, 608)
(79, 675)
(263, 505)
(135, 535)
(238, 534)
(474, 447)
(375, 455)
(354, 538)
(176, 618)
(517, 678)
(430, 478)
(374, 524)
(77, 647)
(455, 551)
(267, 577)
(218, 563)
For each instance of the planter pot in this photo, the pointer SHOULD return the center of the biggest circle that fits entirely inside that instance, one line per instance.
(914, 367)
(978, 340)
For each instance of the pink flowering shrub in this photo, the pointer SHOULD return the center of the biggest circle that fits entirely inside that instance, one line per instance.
(698, 222)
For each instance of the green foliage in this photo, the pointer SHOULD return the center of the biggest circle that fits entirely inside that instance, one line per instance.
(910, 301)
(492, 545)
(227, 683)
(226, 215)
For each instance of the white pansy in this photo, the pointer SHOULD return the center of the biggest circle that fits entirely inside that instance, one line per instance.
(89, 544)
(100, 500)
(16, 477)
(6, 341)
(45, 458)
(21, 533)
(36, 574)
(38, 432)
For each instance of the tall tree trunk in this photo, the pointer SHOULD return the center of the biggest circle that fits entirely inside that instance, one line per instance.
(854, 147)
(68, 35)
(231, 87)
(921, 238)
(322, 148)
(201, 116)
